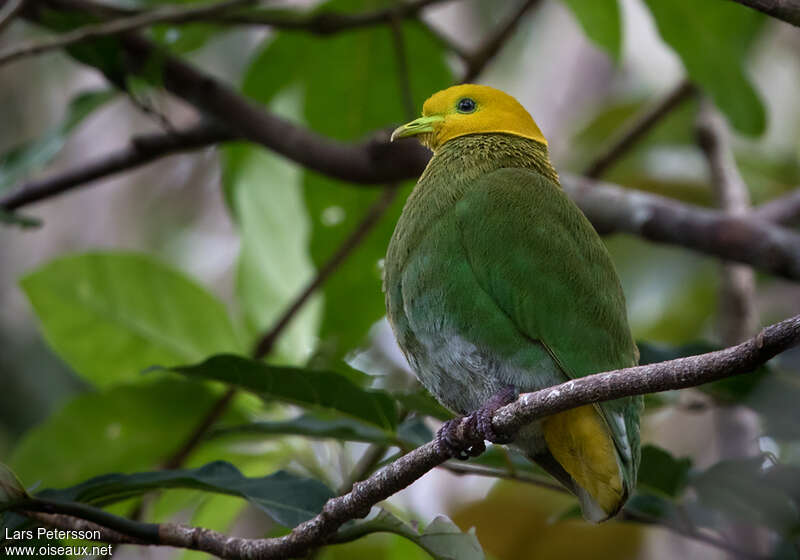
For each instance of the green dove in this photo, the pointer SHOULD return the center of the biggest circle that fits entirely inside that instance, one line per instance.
(497, 284)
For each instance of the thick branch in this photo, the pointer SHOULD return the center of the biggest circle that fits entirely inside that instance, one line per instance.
(742, 239)
(638, 126)
(651, 378)
(787, 10)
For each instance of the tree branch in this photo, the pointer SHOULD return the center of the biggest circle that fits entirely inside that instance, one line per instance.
(478, 60)
(674, 374)
(783, 210)
(373, 215)
(9, 11)
(139, 151)
(786, 10)
(170, 14)
(637, 127)
(613, 209)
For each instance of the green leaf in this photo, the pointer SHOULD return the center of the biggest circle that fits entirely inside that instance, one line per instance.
(27, 158)
(442, 538)
(662, 472)
(124, 428)
(305, 387)
(601, 21)
(285, 497)
(315, 425)
(423, 402)
(11, 489)
(743, 490)
(111, 315)
(713, 39)
(21, 220)
(356, 92)
(274, 263)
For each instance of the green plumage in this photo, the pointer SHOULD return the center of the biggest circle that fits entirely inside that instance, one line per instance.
(493, 277)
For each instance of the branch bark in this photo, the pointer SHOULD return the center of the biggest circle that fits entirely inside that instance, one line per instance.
(783, 210)
(612, 209)
(674, 374)
(147, 18)
(478, 60)
(786, 10)
(140, 150)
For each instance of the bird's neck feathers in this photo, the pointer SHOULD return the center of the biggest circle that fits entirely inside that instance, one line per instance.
(466, 158)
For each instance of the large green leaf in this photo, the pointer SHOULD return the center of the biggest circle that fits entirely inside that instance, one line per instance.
(111, 315)
(601, 21)
(315, 425)
(124, 428)
(29, 157)
(442, 538)
(285, 497)
(745, 491)
(662, 472)
(712, 38)
(274, 264)
(356, 92)
(11, 489)
(305, 387)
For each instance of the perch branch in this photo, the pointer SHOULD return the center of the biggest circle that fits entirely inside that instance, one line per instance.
(674, 374)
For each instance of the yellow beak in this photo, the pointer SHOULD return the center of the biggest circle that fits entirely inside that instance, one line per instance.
(418, 126)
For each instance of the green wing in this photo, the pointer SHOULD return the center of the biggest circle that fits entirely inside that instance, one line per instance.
(541, 261)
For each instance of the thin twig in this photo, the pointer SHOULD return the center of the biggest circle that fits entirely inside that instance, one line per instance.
(327, 23)
(674, 374)
(477, 61)
(637, 127)
(267, 342)
(403, 72)
(140, 151)
(9, 11)
(739, 318)
(171, 14)
(786, 10)
(373, 215)
(688, 532)
(318, 23)
(477, 470)
(736, 427)
(783, 210)
(216, 412)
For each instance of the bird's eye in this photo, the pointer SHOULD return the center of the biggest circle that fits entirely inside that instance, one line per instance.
(466, 105)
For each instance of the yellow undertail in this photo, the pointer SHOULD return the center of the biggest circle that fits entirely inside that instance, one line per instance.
(581, 442)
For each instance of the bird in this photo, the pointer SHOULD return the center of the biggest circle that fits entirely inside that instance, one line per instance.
(496, 284)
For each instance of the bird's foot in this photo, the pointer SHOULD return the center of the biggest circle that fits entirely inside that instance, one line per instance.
(483, 416)
(454, 436)
(451, 438)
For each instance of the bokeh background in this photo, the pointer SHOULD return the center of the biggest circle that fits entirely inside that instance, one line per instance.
(252, 228)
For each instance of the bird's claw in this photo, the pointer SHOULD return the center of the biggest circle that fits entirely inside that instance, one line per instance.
(483, 416)
(450, 439)
(451, 436)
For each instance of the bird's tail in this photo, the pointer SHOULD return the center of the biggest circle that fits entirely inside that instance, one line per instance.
(581, 454)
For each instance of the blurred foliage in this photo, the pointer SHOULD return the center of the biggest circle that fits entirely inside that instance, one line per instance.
(23, 160)
(281, 448)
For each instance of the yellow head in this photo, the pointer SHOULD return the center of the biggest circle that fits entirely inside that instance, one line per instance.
(469, 109)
